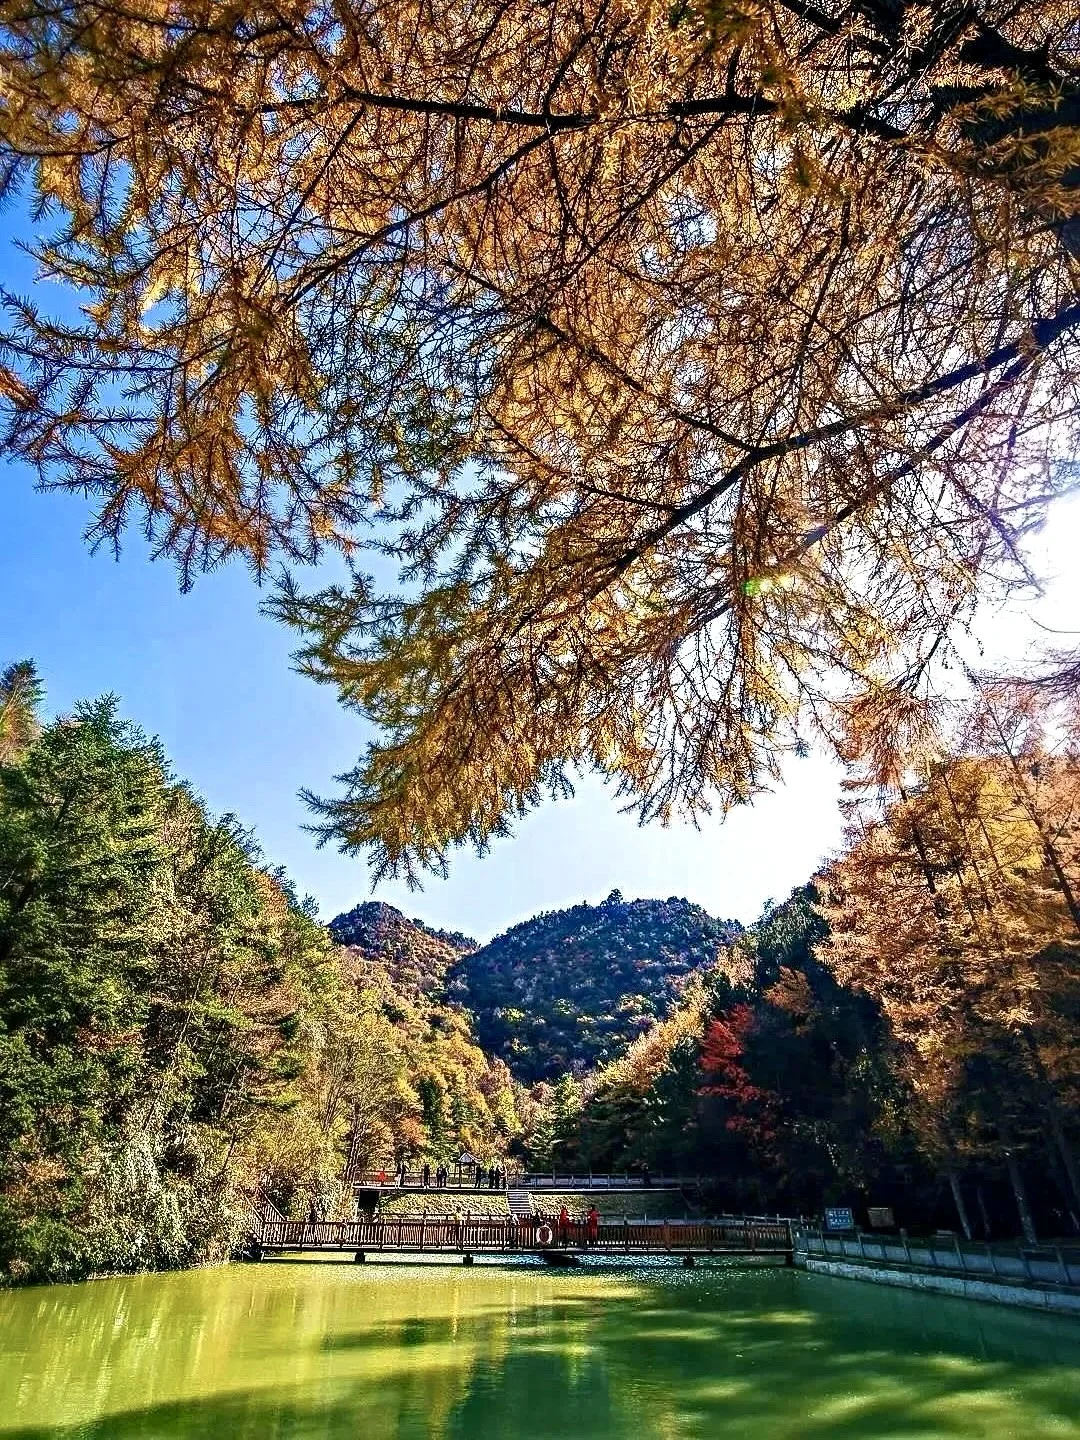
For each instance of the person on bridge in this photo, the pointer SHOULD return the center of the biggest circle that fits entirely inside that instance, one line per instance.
(427, 1175)
(479, 1176)
(592, 1224)
(564, 1225)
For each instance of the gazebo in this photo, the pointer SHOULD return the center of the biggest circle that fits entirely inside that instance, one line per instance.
(464, 1160)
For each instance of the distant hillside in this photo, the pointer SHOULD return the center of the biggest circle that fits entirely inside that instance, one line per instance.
(414, 956)
(571, 988)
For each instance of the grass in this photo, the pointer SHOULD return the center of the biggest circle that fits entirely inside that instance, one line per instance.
(657, 1205)
(444, 1202)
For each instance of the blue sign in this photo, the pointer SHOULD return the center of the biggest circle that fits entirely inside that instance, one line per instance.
(839, 1218)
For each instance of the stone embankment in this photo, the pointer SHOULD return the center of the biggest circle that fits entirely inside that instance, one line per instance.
(1043, 1277)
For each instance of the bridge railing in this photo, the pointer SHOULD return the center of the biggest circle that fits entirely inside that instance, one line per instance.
(1056, 1264)
(624, 1180)
(525, 1233)
(383, 1179)
(414, 1180)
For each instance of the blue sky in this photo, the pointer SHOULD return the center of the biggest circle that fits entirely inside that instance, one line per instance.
(211, 676)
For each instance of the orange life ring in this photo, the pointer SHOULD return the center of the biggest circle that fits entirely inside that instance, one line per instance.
(545, 1235)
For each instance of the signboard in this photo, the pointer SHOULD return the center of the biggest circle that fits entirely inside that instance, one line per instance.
(881, 1217)
(839, 1217)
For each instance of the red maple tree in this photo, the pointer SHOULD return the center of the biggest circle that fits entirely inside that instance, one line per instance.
(723, 1064)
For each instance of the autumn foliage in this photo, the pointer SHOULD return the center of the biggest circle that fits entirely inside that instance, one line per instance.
(907, 1030)
(956, 910)
(695, 365)
(725, 1075)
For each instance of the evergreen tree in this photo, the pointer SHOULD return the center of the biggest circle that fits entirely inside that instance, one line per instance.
(79, 846)
(179, 1036)
(21, 695)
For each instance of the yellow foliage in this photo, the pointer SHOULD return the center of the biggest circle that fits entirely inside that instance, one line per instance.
(610, 315)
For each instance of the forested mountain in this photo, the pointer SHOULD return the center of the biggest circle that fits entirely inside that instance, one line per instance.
(564, 991)
(570, 989)
(768, 1076)
(415, 956)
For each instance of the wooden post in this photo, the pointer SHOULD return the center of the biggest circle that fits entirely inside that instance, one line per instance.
(423, 1222)
(400, 1227)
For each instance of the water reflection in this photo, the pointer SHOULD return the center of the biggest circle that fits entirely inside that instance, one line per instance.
(326, 1350)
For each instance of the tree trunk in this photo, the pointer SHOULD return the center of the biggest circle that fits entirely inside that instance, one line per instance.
(1068, 1159)
(1016, 1180)
(980, 1195)
(924, 862)
(958, 1201)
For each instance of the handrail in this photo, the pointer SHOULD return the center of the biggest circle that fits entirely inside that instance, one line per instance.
(1053, 1264)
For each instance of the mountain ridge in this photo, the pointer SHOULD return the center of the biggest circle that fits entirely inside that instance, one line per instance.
(565, 990)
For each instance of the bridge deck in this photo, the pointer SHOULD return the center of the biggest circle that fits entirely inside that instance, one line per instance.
(524, 1235)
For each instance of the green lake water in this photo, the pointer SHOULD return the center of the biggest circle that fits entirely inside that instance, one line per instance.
(314, 1349)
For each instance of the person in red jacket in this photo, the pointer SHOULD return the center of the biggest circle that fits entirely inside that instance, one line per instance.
(592, 1224)
(564, 1225)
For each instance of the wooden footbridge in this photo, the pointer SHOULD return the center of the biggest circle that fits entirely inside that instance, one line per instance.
(467, 1236)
